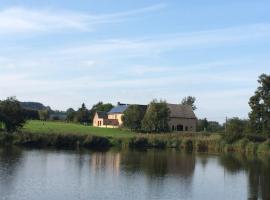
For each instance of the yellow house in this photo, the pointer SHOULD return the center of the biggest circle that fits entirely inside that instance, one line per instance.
(112, 119)
(117, 112)
(101, 120)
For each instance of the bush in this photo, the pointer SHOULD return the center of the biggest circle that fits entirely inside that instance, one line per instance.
(138, 142)
(230, 138)
(96, 142)
(264, 147)
(157, 143)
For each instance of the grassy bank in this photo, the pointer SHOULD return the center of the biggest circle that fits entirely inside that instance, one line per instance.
(40, 127)
(65, 135)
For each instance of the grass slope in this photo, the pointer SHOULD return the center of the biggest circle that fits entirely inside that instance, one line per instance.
(65, 128)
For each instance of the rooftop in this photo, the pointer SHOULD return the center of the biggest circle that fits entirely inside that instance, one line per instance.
(181, 111)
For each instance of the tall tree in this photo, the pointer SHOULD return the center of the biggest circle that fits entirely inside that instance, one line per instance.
(156, 117)
(11, 114)
(133, 117)
(189, 100)
(82, 115)
(260, 106)
(70, 114)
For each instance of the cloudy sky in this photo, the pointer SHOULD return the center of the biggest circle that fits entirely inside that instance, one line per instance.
(63, 53)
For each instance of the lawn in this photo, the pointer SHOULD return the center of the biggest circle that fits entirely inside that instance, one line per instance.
(62, 127)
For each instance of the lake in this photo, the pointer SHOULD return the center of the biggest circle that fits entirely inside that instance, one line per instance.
(130, 174)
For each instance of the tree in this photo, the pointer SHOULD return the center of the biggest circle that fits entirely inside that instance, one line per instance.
(209, 126)
(202, 125)
(133, 117)
(31, 114)
(156, 117)
(82, 115)
(189, 100)
(70, 114)
(44, 114)
(100, 106)
(235, 129)
(260, 106)
(11, 114)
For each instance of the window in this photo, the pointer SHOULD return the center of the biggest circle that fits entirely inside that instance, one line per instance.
(186, 128)
(172, 127)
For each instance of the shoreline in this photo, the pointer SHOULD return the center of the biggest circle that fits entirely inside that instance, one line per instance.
(191, 142)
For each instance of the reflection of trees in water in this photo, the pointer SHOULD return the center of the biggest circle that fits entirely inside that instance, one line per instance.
(159, 163)
(10, 159)
(258, 170)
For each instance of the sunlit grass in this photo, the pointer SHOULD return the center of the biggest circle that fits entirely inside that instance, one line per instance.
(46, 127)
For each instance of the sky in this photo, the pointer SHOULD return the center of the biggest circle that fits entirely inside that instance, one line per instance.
(63, 53)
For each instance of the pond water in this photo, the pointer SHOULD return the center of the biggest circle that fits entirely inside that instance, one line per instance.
(130, 174)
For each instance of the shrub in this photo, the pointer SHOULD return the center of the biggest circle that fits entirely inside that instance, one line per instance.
(96, 142)
(138, 142)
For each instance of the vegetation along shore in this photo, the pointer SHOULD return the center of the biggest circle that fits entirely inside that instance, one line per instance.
(65, 135)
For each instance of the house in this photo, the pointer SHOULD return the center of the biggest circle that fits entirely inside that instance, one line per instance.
(182, 117)
(117, 112)
(101, 120)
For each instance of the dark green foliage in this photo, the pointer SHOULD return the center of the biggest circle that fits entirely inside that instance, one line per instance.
(214, 127)
(260, 107)
(138, 142)
(202, 124)
(31, 114)
(156, 117)
(96, 142)
(189, 100)
(82, 115)
(44, 114)
(133, 116)
(209, 126)
(70, 114)
(11, 114)
(235, 129)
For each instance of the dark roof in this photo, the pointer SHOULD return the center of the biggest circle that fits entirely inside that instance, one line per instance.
(181, 111)
(120, 108)
(102, 114)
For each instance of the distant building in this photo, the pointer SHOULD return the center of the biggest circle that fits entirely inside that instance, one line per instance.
(182, 117)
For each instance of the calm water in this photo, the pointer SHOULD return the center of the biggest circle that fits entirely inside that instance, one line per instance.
(127, 174)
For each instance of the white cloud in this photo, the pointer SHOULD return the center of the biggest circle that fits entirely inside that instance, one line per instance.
(21, 20)
(155, 45)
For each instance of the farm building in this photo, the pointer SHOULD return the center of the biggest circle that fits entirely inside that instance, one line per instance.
(182, 117)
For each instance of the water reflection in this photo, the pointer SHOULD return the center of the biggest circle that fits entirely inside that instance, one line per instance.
(147, 174)
(257, 169)
(10, 161)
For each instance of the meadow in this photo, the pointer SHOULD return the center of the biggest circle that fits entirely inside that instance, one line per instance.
(49, 127)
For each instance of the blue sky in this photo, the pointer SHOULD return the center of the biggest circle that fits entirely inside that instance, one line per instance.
(63, 53)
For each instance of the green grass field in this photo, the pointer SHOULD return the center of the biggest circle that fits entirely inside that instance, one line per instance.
(65, 128)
